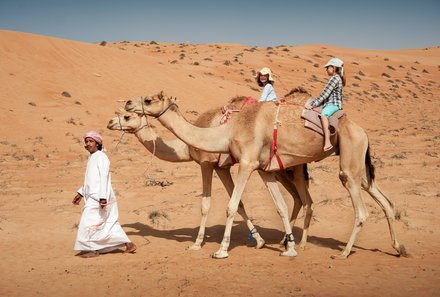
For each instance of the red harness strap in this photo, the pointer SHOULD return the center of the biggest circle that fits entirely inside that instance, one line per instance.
(274, 149)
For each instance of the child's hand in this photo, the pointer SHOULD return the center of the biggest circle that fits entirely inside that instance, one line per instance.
(307, 106)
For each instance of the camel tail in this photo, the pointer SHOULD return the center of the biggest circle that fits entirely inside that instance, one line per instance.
(369, 165)
(306, 175)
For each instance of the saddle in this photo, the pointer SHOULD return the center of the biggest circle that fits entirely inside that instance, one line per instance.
(312, 120)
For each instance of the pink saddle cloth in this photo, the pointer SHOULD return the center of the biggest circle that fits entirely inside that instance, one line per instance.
(312, 120)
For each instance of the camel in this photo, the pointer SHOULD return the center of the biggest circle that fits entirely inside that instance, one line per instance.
(177, 151)
(248, 138)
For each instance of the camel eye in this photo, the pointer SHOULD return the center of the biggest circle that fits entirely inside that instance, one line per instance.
(147, 100)
(126, 117)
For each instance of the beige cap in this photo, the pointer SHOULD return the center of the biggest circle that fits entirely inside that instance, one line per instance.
(265, 71)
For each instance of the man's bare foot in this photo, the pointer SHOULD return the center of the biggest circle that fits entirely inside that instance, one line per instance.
(90, 254)
(130, 247)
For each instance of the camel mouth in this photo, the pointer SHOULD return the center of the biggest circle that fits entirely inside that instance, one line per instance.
(111, 125)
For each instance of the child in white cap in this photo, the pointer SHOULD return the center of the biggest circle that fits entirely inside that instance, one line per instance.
(330, 97)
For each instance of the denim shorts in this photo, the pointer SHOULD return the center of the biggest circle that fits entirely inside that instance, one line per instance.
(329, 110)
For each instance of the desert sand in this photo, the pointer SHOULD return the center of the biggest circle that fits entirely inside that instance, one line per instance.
(54, 90)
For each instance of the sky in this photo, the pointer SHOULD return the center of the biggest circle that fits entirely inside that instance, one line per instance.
(367, 24)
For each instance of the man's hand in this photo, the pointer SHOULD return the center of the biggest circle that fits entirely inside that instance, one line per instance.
(102, 203)
(77, 199)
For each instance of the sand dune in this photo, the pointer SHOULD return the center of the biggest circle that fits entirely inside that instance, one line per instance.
(53, 90)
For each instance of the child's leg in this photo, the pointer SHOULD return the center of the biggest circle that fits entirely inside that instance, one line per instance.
(326, 113)
(327, 143)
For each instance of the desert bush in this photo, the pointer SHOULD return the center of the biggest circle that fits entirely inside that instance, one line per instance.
(391, 67)
(103, 43)
(386, 75)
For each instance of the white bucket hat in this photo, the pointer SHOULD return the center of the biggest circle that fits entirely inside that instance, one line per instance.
(265, 71)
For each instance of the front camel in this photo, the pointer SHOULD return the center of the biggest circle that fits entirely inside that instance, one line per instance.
(249, 137)
(177, 151)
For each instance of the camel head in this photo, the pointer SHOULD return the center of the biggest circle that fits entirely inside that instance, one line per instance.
(150, 105)
(128, 122)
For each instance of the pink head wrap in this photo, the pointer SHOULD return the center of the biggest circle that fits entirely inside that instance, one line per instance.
(94, 135)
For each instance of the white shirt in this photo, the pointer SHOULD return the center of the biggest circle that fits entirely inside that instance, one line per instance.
(268, 93)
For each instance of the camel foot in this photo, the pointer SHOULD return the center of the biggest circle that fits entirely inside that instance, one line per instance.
(220, 254)
(130, 248)
(91, 254)
(195, 247)
(339, 257)
(260, 243)
(290, 253)
(402, 251)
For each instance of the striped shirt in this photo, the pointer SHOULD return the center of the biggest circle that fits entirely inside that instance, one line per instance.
(332, 93)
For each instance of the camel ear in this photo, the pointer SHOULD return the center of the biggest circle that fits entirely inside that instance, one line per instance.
(121, 100)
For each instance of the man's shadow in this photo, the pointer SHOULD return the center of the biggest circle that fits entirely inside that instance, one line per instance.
(239, 236)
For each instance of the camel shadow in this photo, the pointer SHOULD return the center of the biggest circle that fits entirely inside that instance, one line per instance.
(338, 245)
(240, 236)
(213, 234)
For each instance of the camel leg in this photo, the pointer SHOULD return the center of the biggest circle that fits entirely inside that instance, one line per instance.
(225, 176)
(207, 171)
(388, 208)
(303, 191)
(270, 182)
(353, 186)
(244, 171)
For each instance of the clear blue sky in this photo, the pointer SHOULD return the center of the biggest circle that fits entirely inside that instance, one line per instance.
(367, 24)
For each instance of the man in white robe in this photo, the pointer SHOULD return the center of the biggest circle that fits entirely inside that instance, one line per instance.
(99, 230)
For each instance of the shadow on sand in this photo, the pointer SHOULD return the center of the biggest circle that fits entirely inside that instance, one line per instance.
(239, 236)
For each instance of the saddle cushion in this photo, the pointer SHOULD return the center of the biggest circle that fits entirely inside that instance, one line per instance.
(312, 120)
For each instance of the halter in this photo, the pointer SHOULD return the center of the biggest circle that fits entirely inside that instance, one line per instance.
(161, 113)
(137, 129)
